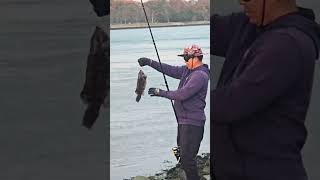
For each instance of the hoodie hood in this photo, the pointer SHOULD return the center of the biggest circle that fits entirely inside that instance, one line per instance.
(204, 68)
(303, 20)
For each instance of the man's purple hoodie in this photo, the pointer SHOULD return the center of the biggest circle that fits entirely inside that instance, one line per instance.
(189, 98)
(262, 97)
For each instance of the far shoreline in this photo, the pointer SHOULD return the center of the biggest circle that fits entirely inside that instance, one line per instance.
(157, 25)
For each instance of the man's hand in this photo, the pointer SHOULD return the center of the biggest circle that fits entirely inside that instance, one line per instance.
(144, 61)
(154, 91)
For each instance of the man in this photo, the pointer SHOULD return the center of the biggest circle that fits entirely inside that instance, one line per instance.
(189, 103)
(262, 96)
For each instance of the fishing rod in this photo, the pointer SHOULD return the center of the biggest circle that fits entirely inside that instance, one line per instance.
(155, 46)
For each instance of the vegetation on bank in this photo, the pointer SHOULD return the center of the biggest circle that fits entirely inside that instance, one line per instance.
(155, 25)
(159, 11)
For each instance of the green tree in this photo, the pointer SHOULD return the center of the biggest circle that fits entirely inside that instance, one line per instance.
(128, 11)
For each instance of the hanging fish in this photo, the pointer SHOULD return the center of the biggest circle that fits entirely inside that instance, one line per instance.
(141, 85)
(96, 86)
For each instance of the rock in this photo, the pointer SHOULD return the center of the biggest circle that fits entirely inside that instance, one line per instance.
(176, 173)
(182, 175)
(206, 170)
(206, 177)
(141, 178)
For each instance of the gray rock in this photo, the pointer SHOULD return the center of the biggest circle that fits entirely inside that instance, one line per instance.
(176, 173)
(207, 177)
(141, 178)
(206, 170)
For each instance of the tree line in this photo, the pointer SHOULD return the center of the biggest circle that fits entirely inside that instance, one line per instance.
(159, 11)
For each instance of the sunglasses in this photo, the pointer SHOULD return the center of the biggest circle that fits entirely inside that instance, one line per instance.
(186, 58)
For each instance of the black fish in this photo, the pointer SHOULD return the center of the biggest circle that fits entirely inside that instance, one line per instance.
(141, 85)
(96, 88)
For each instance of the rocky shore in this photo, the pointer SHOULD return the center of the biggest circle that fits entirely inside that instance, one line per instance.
(176, 173)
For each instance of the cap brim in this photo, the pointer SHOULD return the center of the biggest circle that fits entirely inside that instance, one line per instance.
(182, 55)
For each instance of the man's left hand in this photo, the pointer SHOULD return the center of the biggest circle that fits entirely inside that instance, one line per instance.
(154, 91)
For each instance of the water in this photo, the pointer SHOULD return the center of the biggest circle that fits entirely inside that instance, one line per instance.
(142, 134)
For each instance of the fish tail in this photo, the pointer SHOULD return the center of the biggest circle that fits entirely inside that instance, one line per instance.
(138, 98)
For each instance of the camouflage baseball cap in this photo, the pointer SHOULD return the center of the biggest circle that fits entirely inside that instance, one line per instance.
(194, 50)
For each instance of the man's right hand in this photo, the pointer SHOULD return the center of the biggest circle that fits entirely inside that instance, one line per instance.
(144, 61)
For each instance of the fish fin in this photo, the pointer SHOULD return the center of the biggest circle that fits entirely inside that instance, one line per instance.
(138, 98)
(91, 114)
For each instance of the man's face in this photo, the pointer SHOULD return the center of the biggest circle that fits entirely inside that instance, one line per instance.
(253, 9)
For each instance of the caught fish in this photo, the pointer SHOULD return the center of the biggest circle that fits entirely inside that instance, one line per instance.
(141, 85)
(96, 87)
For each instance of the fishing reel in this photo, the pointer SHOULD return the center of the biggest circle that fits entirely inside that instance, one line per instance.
(176, 152)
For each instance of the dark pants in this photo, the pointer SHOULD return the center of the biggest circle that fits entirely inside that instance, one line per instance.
(189, 139)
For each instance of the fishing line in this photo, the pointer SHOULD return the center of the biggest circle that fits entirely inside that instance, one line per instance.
(317, 69)
(263, 12)
(154, 43)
